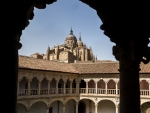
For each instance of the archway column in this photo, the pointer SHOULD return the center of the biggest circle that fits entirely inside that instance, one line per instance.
(86, 86)
(48, 90)
(29, 87)
(64, 108)
(47, 109)
(70, 86)
(77, 86)
(57, 86)
(39, 87)
(77, 107)
(96, 106)
(117, 108)
(64, 87)
(129, 55)
(18, 89)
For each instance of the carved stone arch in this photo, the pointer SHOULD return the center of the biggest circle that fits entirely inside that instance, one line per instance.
(112, 100)
(75, 99)
(116, 80)
(40, 77)
(48, 77)
(56, 99)
(106, 80)
(92, 99)
(38, 100)
(145, 106)
(144, 101)
(24, 104)
(143, 79)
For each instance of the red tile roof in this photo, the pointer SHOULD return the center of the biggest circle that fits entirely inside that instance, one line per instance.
(97, 67)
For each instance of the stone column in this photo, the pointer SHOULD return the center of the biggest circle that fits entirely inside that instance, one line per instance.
(86, 87)
(64, 108)
(130, 54)
(117, 108)
(29, 87)
(77, 87)
(116, 88)
(96, 87)
(149, 88)
(70, 86)
(64, 87)
(106, 87)
(49, 87)
(18, 89)
(77, 107)
(39, 87)
(57, 86)
(47, 109)
(96, 105)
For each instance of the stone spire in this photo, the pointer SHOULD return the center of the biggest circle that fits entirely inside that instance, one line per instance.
(48, 53)
(71, 32)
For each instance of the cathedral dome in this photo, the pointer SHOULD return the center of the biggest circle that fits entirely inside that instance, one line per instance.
(71, 36)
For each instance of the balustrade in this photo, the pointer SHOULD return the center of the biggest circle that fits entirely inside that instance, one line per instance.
(24, 92)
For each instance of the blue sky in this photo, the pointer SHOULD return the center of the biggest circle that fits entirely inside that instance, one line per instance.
(51, 26)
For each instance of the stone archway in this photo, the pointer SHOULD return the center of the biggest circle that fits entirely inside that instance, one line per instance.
(106, 106)
(21, 108)
(38, 107)
(145, 108)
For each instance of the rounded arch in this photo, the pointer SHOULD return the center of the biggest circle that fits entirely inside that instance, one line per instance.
(106, 99)
(145, 106)
(71, 99)
(19, 103)
(87, 99)
(20, 107)
(106, 106)
(143, 102)
(81, 107)
(56, 100)
(36, 101)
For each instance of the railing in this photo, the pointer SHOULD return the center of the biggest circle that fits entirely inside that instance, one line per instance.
(24, 92)
(82, 90)
(111, 91)
(34, 92)
(68, 90)
(53, 91)
(43, 91)
(91, 90)
(73, 90)
(60, 90)
(144, 92)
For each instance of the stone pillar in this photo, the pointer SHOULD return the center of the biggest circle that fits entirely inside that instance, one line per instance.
(77, 107)
(39, 87)
(149, 88)
(86, 87)
(64, 87)
(57, 86)
(116, 88)
(49, 87)
(96, 105)
(130, 54)
(90, 106)
(47, 109)
(70, 86)
(29, 87)
(18, 89)
(106, 87)
(64, 108)
(117, 108)
(96, 87)
(77, 87)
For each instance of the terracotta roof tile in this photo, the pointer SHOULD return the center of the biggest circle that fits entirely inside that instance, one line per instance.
(99, 67)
